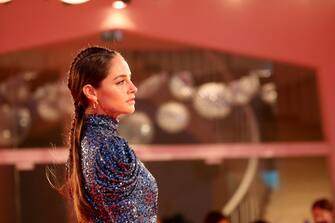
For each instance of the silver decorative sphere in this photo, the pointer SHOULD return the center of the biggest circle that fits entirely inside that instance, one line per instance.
(240, 95)
(172, 117)
(14, 126)
(249, 84)
(150, 86)
(137, 128)
(47, 98)
(213, 100)
(181, 85)
(15, 90)
(269, 93)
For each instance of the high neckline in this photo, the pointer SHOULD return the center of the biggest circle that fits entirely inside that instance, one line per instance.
(103, 121)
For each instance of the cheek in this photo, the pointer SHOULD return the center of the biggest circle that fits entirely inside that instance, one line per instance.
(107, 93)
(328, 216)
(111, 97)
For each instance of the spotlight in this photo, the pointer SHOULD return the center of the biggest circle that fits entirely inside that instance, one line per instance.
(5, 1)
(120, 4)
(74, 2)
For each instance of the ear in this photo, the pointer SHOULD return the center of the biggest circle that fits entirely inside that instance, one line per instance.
(90, 92)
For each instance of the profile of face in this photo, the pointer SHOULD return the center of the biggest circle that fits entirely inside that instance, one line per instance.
(116, 94)
(322, 215)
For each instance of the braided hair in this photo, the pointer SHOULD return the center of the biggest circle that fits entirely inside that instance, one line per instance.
(90, 66)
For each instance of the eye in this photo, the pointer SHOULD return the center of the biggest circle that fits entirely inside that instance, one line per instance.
(120, 82)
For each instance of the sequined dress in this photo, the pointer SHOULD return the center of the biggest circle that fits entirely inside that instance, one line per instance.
(117, 184)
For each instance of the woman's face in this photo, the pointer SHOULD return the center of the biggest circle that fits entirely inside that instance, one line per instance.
(116, 94)
(322, 215)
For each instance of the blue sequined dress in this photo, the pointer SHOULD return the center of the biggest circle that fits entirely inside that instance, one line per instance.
(117, 184)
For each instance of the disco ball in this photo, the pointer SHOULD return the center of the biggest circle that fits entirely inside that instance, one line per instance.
(47, 98)
(269, 93)
(240, 96)
(15, 90)
(14, 126)
(249, 84)
(150, 86)
(172, 117)
(213, 100)
(181, 85)
(136, 128)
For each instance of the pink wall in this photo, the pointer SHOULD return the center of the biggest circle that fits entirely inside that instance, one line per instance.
(297, 31)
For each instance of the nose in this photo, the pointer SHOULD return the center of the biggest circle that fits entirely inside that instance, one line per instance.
(132, 87)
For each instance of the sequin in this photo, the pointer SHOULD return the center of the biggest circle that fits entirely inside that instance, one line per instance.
(117, 184)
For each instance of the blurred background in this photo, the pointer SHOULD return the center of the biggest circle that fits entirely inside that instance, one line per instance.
(234, 107)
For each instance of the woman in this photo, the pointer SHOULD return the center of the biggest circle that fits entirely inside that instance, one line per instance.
(106, 180)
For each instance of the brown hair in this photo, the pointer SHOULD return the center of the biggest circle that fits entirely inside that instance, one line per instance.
(323, 203)
(90, 66)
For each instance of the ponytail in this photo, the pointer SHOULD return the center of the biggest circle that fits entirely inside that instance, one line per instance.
(75, 179)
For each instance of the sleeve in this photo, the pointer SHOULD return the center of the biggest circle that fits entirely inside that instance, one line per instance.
(117, 170)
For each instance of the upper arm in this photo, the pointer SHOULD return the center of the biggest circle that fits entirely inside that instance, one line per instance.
(116, 170)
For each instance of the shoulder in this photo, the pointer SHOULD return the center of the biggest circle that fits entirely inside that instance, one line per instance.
(116, 150)
(108, 151)
(116, 162)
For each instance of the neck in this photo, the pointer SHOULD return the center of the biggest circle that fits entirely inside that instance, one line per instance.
(98, 111)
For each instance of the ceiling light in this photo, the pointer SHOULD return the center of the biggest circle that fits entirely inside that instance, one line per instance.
(5, 1)
(120, 4)
(73, 2)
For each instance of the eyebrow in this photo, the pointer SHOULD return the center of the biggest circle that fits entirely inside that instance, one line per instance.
(121, 75)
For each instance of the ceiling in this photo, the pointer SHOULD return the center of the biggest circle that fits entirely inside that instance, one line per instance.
(299, 32)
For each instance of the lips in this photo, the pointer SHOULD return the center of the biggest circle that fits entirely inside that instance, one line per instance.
(132, 100)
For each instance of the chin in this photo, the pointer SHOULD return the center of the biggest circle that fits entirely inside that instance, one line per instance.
(131, 110)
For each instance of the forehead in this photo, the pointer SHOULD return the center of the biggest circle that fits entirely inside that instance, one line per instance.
(319, 210)
(118, 66)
